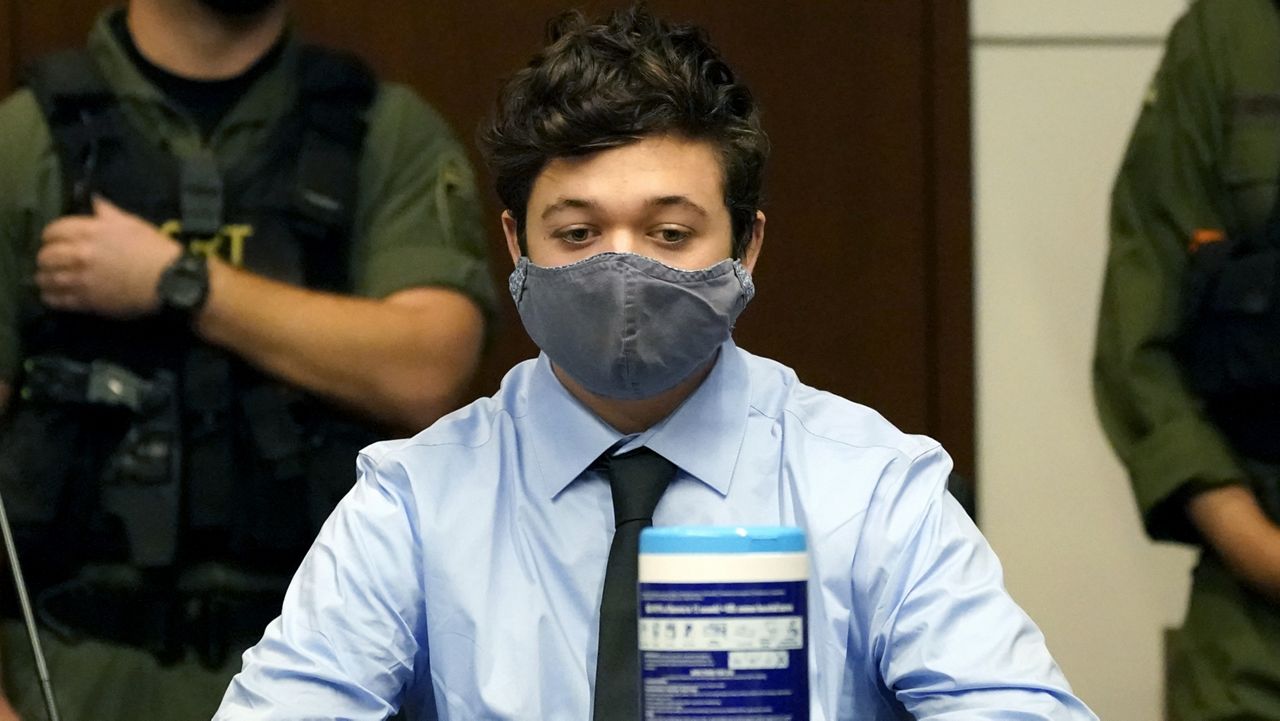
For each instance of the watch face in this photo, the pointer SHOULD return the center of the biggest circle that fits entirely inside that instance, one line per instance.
(184, 285)
(185, 292)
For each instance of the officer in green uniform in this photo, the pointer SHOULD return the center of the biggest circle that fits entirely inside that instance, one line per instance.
(226, 260)
(1187, 366)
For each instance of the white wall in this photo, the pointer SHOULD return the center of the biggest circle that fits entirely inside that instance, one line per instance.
(1056, 87)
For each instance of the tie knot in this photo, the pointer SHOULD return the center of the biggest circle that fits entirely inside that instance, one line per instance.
(638, 479)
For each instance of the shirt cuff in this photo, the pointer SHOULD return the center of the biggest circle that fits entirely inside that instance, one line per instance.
(1176, 460)
(431, 266)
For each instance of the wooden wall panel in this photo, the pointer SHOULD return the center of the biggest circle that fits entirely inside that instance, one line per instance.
(865, 281)
(46, 25)
(949, 205)
(6, 41)
(842, 279)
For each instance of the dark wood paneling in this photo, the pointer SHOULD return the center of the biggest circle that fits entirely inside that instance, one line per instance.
(950, 204)
(843, 276)
(6, 44)
(47, 25)
(865, 281)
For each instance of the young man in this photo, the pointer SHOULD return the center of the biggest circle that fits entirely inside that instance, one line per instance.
(464, 573)
(227, 262)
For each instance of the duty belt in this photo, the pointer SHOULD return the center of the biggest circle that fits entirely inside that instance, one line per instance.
(211, 610)
(53, 379)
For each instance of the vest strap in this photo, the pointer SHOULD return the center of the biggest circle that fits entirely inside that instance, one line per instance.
(336, 91)
(201, 196)
(82, 114)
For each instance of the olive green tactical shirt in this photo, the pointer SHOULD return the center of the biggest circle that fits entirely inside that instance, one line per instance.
(1202, 163)
(417, 214)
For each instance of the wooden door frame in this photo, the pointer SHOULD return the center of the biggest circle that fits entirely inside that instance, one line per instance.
(949, 183)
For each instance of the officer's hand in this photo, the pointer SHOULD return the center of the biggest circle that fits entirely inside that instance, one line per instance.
(108, 263)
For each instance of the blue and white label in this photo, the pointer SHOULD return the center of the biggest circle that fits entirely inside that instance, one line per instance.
(724, 651)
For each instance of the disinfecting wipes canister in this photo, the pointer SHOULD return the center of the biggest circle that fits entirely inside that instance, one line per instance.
(723, 623)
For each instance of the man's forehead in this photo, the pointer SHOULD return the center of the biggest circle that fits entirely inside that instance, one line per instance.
(658, 171)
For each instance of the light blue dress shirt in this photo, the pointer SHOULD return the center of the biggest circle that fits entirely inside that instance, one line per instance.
(462, 574)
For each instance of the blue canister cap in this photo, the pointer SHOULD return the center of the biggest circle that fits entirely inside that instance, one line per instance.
(721, 539)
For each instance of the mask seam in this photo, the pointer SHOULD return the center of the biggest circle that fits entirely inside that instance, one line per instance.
(629, 333)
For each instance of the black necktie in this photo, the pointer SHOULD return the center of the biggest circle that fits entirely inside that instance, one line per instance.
(637, 480)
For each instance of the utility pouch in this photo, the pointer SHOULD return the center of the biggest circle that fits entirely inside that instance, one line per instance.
(118, 604)
(141, 481)
(332, 466)
(276, 435)
(141, 478)
(35, 446)
(214, 610)
(227, 609)
(1229, 343)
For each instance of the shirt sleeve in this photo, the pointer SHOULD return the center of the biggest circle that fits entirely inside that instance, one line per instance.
(30, 197)
(1166, 192)
(418, 214)
(946, 638)
(353, 626)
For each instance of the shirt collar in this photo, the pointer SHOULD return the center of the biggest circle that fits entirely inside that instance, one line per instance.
(269, 97)
(114, 63)
(702, 436)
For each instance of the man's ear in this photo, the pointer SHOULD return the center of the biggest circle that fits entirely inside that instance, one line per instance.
(513, 237)
(752, 253)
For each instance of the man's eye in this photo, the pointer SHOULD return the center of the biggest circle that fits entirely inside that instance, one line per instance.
(575, 235)
(673, 235)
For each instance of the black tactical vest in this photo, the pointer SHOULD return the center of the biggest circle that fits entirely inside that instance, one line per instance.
(132, 441)
(1229, 343)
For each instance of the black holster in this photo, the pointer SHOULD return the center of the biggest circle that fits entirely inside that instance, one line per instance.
(139, 477)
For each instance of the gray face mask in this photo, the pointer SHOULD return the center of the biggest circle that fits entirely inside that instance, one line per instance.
(627, 326)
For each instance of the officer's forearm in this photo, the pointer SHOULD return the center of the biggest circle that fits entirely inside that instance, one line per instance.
(1233, 523)
(404, 360)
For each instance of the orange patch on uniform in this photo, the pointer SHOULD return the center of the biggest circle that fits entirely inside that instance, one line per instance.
(1205, 236)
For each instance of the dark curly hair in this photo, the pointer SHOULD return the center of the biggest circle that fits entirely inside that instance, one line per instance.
(598, 86)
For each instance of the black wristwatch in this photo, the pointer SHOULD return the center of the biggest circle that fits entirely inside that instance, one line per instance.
(184, 285)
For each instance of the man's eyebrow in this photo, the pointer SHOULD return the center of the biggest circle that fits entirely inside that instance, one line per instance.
(681, 200)
(660, 201)
(566, 203)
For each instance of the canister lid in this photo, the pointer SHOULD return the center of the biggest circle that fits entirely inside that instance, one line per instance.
(721, 539)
